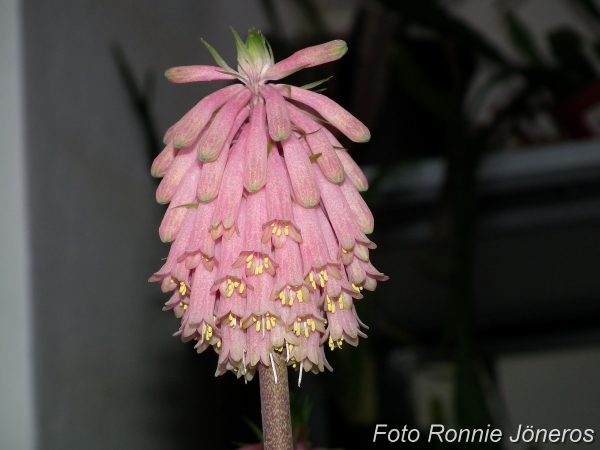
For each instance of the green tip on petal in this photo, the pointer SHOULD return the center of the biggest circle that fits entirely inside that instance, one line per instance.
(188, 205)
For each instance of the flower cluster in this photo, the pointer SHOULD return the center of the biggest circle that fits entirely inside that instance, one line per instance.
(268, 228)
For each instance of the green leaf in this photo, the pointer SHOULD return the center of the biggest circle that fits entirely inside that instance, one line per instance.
(187, 205)
(339, 148)
(220, 61)
(522, 39)
(320, 90)
(316, 83)
(314, 157)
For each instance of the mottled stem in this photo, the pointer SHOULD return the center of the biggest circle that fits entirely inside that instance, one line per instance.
(275, 405)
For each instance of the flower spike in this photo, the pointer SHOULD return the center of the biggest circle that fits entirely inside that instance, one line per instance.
(266, 223)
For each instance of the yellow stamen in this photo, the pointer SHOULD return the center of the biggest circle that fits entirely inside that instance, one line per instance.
(242, 287)
(286, 230)
(249, 264)
(258, 325)
(185, 307)
(278, 232)
(249, 258)
(268, 324)
(219, 344)
(305, 331)
(182, 288)
(300, 296)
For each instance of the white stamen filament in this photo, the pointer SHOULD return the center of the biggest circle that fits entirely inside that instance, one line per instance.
(273, 366)
(300, 376)
(287, 350)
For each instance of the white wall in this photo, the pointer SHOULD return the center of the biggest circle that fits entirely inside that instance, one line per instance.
(17, 429)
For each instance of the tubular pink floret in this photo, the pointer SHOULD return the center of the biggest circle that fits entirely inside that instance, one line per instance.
(163, 161)
(319, 145)
(351, 169)
(308, 57)
(255, 169)
(361, 211)
(214, 139)
(212, 171)
(189, 127)
(201, 241)
(189, 74)
(198, 320)
(311, 248)
(278, 119)
(340, 215)
(177, 210)
(353, 128)
(230, 194)
(299, 168)
(280, 223)
(181, 164)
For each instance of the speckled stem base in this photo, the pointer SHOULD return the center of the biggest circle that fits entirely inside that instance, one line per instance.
(275, 406)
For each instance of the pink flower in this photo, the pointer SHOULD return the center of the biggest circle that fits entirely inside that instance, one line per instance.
(268, 228)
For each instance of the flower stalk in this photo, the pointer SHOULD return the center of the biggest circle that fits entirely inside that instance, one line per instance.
(275, 405)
